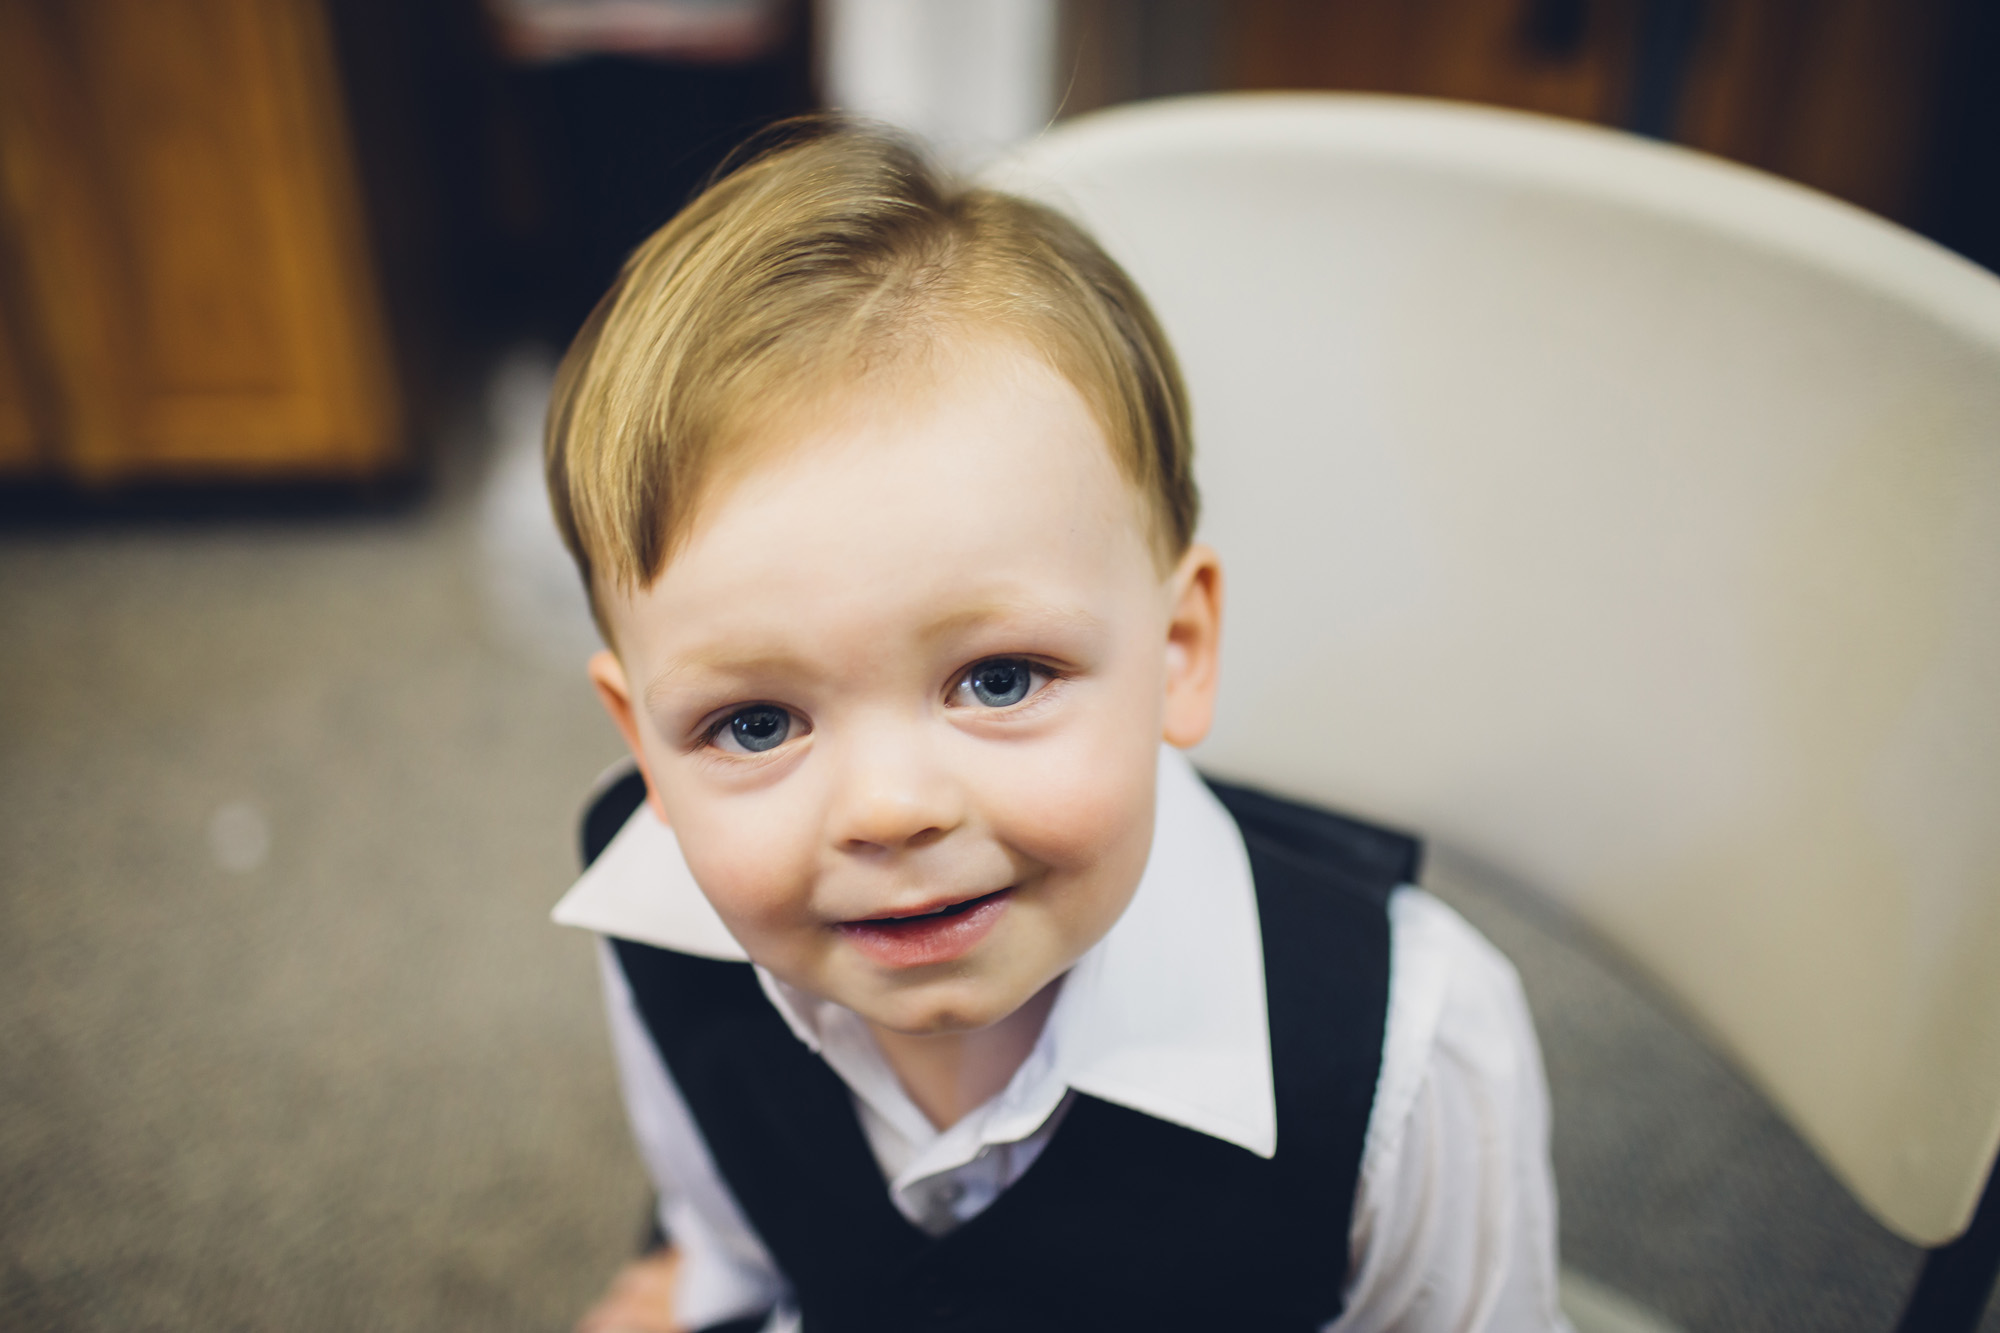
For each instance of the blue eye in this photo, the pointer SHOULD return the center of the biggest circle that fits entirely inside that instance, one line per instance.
(1000, 684)
(756, 729)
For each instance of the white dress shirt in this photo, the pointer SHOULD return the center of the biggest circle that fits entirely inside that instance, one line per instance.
(1454, 1214)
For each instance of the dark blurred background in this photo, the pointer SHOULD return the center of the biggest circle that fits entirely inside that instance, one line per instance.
(292, 721)
(269, 242)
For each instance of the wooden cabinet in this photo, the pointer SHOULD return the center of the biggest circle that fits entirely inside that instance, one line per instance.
(1838, 94)
(1842, 95)
(20, 437)
(187, 289)
(1564, 60)
(1834, 93)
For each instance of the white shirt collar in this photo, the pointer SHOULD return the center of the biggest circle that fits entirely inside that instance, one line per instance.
(1165, 1015)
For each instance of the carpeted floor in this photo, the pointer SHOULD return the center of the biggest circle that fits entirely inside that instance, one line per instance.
(286, 1041)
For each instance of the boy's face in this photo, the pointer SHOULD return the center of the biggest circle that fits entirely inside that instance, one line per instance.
(900, 693)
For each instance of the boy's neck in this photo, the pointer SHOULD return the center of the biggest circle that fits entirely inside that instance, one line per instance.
(951, 1074)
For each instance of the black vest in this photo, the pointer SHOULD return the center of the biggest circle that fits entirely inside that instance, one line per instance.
(1124, 1221)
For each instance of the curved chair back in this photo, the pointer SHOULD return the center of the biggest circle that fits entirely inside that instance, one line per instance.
(1630, 522)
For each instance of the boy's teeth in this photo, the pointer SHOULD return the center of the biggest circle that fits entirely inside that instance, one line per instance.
(942, 911)
(951, 910)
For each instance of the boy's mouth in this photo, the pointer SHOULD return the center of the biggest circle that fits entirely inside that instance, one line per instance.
(938, 935)
(931, 914)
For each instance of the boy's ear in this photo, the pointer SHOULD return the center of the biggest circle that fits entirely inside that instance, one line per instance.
(607, 673)
(1194, 646)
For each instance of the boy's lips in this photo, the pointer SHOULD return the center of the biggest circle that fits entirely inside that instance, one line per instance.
(939, 935)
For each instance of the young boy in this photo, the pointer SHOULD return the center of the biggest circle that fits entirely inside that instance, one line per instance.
(945, 994)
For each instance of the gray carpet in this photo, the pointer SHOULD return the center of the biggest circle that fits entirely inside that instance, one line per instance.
(286, 1041)
(1679, 1186)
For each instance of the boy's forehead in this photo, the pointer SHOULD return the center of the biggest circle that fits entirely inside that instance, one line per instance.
(968, 491)
(892, 381)
(968, 442)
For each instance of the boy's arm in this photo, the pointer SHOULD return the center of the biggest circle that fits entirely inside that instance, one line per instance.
(1455, 1216)
(716, 1269)
(640, 1299)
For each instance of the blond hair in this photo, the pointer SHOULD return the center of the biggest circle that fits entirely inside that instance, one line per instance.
(826, 248)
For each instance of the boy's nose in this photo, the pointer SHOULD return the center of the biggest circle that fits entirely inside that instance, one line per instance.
(891, 795)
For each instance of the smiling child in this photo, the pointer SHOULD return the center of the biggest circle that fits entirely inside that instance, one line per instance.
(946, 995)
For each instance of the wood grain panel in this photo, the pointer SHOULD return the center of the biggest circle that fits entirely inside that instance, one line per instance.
(1837, 94)
(1472, 50)
(20, 435)
(186, 156)
(1834, 93)
(195, 238)
(24, 434)
(68, 266)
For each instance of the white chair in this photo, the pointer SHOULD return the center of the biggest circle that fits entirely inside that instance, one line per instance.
(1628, 521)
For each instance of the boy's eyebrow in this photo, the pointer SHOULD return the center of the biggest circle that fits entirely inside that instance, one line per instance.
(1027, 616)
(721, 664)
(1035, 615)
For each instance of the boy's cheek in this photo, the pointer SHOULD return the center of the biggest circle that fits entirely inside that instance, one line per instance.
(1091, 803)
(752, 873)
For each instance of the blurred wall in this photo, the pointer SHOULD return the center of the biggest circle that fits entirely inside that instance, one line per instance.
(970, 76)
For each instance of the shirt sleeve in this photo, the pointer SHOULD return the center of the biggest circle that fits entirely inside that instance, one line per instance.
(1454, 1225)
(726, 1273)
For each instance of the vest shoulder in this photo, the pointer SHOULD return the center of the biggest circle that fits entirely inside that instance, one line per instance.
(608, 809)
(1369, 856)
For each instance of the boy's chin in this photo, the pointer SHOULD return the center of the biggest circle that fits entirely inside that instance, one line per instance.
(948, 1009)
